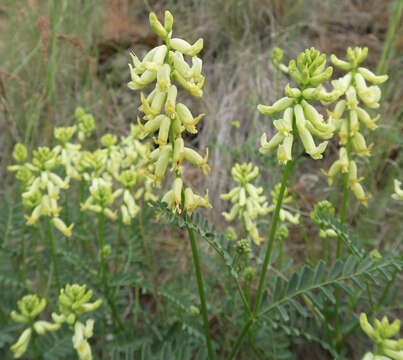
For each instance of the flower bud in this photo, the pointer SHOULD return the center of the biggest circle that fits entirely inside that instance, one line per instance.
(292, 92)
(284, 151)
(61, 226)
(168, 21)
(179, 152)
(278, 106)
(360, 146)
(163, 77)
(185, 48)
(42, 326)
(170, 104)
(369, 95)
(371, 77)
(21, 345)
(163, 131)
(162, 164)
(366, 119)
(157, 26)
(195, 158)
(266, 147)
(323, 77)
(177, 193)
(20, 153)
(340, 63)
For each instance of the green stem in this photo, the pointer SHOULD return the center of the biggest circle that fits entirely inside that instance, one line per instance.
(34, 345)
(202, 296)
(397, 13)
(343, 213)
(238, 341)
(34, 248)
(136, 305)
(111, 303)
(118, 243)
(24, 257)
(66, 206)
(271, 237)
(52, 251)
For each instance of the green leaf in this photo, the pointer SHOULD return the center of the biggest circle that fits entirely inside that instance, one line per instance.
(349, 265)
(336, 269)
(292, 284)
(328, 294)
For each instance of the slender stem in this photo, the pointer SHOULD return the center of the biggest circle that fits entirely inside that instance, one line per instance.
(343, 213)
(243, 297)
(397, 13)
(111, 303)
(269, 249)
(24, 257)
(202, 296)
(118, 243)
(34, 250)
(136, 305)
(34, 345)
(66, 206)
(52, 251)
(151, 267)
(238, 341)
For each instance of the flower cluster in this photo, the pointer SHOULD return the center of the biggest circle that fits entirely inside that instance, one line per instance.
(74, 301)
(299, 116)
(162, 112)
(247, 200)
(398, 195)
(381, 334)
(354, 86)
(42, 185)
(121, 165)
(30, 307)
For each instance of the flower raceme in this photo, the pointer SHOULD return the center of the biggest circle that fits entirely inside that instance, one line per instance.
(247, 200)
(165, 115)
(381, 334)
(42, 185)
(30, 307)
(354, 86)
(299, 116)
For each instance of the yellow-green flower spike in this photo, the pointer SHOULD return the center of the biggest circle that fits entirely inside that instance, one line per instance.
(164, 114)
(248, 203)
(381, 334)
(309, 71)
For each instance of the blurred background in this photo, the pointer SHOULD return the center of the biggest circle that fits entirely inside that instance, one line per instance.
(58, 55)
